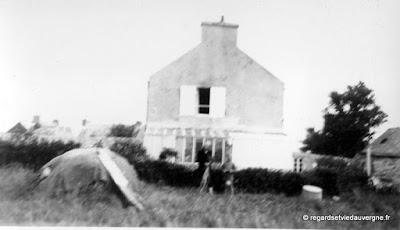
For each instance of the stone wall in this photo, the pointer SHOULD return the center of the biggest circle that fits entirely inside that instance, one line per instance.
(382, 167)
(387, 168)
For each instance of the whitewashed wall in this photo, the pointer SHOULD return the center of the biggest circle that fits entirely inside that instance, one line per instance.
(249, 150)
(154, 144)
(265, 151)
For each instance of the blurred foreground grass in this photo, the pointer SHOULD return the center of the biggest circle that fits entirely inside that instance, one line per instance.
(20, 204)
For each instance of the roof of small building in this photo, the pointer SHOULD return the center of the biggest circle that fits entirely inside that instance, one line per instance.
(18, 128)
(93, 130)
(386, 145)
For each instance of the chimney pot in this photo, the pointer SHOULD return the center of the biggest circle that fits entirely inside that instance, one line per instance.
(36, 119)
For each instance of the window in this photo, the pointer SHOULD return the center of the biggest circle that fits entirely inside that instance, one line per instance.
(298, 164)
(201, 100)
(204, 100)
(189, 146)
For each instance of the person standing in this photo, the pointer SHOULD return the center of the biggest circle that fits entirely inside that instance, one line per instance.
(204, 158)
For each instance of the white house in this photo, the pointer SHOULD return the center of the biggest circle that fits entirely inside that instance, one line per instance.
(216, 92)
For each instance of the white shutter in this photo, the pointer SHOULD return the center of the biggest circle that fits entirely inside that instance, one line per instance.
(187, 106)
(217, 102)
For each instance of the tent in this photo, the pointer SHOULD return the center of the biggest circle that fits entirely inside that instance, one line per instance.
(80, 168)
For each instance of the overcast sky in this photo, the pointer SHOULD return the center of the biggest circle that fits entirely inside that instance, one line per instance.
(71, 60)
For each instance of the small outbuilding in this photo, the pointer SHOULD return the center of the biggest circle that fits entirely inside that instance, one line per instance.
(385, 157)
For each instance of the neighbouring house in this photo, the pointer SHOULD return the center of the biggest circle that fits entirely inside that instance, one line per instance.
(216, 92)
(18, 129)
(385, 157)
(50, 131)
(305, 161)
(39, 130)
(93, 134)
(16, 133)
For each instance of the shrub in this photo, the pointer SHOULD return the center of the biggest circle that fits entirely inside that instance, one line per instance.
(254, 180)
(33, 154)
(336, 178)
(331, 163)
(352, 177)
(154, 171)
(324, 178)
(168, 153)
(128, 149)
(121, 130)
(247, 180)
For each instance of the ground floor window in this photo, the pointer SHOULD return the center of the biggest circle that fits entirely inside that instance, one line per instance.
(187, 148)
(298, 164)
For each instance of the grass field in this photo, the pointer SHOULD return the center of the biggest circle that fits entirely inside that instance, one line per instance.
(20, 204)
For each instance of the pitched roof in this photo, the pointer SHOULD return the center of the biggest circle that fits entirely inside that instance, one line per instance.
(18, 128)
(386, 145)
(95, 131)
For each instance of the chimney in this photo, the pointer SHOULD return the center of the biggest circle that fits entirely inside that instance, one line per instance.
(36, 119)
(219, 33)
(55, 122)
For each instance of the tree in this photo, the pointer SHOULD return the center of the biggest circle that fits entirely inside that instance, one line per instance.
(348, 123)
(121, 130)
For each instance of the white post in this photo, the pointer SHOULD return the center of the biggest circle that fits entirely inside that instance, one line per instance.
(223, 151)
(194, 149)
(213, 147)
(368, 163)
(183, 149)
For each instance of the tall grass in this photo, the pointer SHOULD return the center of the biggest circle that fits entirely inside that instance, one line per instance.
(21, 204)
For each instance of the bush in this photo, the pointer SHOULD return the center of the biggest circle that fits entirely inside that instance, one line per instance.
(255, 180)
(33, 154)
(247, 180)
(331, 163)
(128, 149)
(352, 177)
(336, 178)
(121, 130)
(154, 171)
(324, 178)
(168, 153)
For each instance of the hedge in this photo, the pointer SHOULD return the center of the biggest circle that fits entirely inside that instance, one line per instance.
(33, 154)
(333, 176)
(256, 180)
(129, 149)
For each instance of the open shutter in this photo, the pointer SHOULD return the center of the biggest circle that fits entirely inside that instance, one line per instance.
(187, 106)
(217, 102)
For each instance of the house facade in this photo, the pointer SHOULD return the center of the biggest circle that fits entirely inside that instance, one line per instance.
(216, 92)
